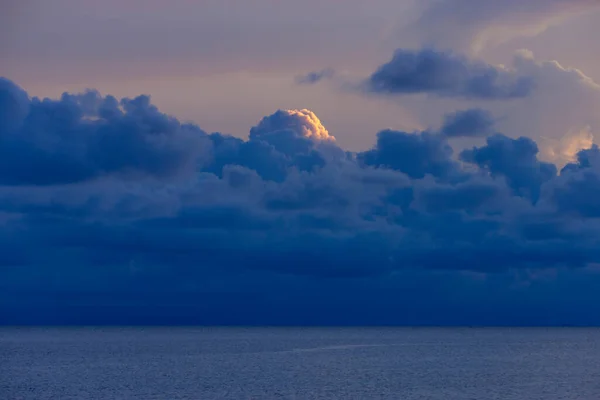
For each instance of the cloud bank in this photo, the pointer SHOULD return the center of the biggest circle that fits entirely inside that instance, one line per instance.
(112, 206)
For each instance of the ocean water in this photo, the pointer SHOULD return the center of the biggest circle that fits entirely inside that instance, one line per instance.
(299, 363)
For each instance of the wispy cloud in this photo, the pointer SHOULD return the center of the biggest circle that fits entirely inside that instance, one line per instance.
(471, 25)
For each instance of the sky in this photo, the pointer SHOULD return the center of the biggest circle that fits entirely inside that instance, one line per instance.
(300, 163)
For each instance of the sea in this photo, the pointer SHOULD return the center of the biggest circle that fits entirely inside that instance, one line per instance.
(167, 363)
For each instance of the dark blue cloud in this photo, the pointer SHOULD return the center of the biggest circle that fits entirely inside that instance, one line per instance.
(14, 106)
(447, 74)
(474, 122)
(578, 187)
(586, 159)
(113, 212)
(514, 159)
(416, 155)
(85, 137)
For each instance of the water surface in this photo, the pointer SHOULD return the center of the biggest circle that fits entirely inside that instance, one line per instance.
(299, 363)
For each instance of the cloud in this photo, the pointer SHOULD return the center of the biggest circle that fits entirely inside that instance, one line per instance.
(302, 123)
(86, 136)
(473, 122)
(514, 159)
(416, 155)
(579, 184)
(562, 112)
(566, 149)
(467, 25)
(14, 106)
(315, 76)
(285, 140)
(111, 205)
(447, 74)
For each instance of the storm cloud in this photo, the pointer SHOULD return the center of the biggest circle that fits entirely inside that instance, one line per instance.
(113, 205)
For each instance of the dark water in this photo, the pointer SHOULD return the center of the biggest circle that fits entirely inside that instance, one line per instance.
(237, 363)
